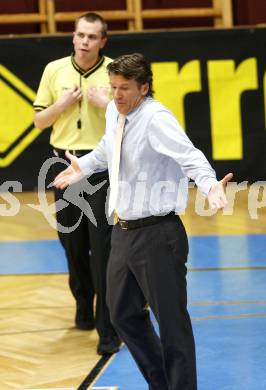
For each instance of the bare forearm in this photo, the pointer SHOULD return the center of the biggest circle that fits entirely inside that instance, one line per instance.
(48, 116)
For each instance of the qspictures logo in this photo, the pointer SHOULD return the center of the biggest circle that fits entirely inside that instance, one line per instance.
(78, 194)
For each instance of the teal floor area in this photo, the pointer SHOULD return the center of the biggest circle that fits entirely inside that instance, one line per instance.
(47, 256)
(227, 304)
(32, 257)
(230, 356)
(226, 300)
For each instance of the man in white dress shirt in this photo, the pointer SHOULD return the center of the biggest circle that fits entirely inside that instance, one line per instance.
(149, 243)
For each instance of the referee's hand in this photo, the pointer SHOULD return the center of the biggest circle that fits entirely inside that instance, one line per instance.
(99, 96)
(69, 97)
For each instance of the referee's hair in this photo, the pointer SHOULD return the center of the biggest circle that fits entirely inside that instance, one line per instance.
(92, 17)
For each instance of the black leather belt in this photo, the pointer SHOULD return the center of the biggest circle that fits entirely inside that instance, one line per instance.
(137, 223)
(77, 153)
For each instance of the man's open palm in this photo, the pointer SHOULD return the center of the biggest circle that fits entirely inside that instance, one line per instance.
(70, 175)
(216, 196)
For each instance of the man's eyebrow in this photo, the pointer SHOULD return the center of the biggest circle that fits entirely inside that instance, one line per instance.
(121, 85)
(89, 34)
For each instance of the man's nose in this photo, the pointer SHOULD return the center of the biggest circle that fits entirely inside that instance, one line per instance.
(85, 40)
(116, 93)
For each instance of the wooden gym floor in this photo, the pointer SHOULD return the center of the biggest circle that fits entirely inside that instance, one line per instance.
(40, 349)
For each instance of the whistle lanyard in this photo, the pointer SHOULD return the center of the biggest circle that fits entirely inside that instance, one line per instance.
(79, 123)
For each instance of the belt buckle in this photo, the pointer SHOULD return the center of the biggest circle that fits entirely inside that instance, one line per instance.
(123, 224)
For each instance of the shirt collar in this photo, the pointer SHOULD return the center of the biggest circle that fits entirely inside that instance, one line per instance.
(88, 72)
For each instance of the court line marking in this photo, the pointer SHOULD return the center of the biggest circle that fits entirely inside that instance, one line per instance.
(37, 331)
(105, 388)
(227, 269)
(190, 304)
(229, 316)
(218, 317)
(22, 308)
(221, 303)
(96, 372)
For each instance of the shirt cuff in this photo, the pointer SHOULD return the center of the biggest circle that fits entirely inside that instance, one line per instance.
(83, 164)
(206, 186)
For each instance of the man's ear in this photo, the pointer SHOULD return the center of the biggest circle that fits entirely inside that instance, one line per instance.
(104, 40)
(144, 89)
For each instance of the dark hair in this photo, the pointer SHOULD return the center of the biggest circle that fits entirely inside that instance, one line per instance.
(132, 66)
(93, 17)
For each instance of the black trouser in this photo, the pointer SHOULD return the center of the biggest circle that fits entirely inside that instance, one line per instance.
(87, 250)
(147, 264)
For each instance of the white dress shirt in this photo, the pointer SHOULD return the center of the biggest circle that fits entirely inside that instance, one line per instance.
(157, 158)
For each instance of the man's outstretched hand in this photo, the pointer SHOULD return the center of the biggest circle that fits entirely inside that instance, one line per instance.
(216, 196)
(70, 175)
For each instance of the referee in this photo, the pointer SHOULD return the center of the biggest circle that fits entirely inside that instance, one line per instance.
(72, 97)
